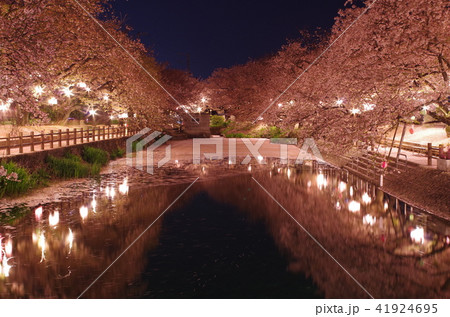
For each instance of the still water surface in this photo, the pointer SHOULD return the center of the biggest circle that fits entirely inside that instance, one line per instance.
(225, 238)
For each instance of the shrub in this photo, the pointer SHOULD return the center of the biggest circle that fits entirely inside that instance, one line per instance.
(69, 167)
(218, 122)
(95, 156)
(14, 180)
(117, 153)
(447, 129)
(237, 135)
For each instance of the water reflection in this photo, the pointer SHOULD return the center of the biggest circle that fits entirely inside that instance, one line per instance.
(393, 249)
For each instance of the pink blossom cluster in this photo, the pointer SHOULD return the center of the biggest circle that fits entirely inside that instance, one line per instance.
(11, 177)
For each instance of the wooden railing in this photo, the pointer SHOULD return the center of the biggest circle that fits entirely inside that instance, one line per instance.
(60, 138)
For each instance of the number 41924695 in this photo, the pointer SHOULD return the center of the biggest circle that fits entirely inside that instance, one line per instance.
(403, 309)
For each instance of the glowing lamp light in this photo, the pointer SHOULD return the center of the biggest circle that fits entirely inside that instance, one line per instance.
(417, 235)
(38, 90)
(82, 85)
(368, 106)
(249, 168)
(280, 105)
(413, 118)
(123, 116)
(385, 206)
(105, 97)
(260, 158)
(92, 112)
(292, 102)
(355, 111)
(53, 219)
(84, 212)
(369, 220)
(4, 106)
(199, 109)
(339, 102)
(53, 101)
(203, 99)
(338, 206)
(111, 117)
(88, 89)
(426, 108)
(67, 92)
(354, 206)
(366, 199)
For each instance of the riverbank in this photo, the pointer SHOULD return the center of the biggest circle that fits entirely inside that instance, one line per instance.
(424, 188)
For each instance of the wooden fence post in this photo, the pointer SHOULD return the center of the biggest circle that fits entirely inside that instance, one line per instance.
(8, 144)
(42, 139)
(68, 137)
(109, 133)
(51, 139)
(104, 135)
(81, 135)
(60, 138)
(75, 136)
(93, 133)
(32, 141)
(20, 142)
(430, 154)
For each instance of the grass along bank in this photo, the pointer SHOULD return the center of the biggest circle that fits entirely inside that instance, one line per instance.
(16, 180)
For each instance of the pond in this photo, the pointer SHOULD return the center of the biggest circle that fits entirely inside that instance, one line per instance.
(225, 237)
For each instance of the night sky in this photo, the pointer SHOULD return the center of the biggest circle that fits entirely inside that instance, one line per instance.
(220, 33)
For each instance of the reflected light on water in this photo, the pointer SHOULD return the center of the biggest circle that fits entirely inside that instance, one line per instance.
(41, 245)
(351, 191)
(321, 181)
(354, 206)
(53, 219)
(369, 220)
(123, 188)
(366, 198)
(342, 186)
(385, 206)
(38, 213)
(8, 247)
(70, 239)
(110, 192)
(289, 173)
(4, 266)
(84, 212)
(93, 204)
(417, 235)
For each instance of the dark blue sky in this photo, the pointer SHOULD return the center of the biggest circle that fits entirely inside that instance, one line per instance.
(220, 33)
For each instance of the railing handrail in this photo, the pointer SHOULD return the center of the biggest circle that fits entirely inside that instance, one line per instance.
(78, 135)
